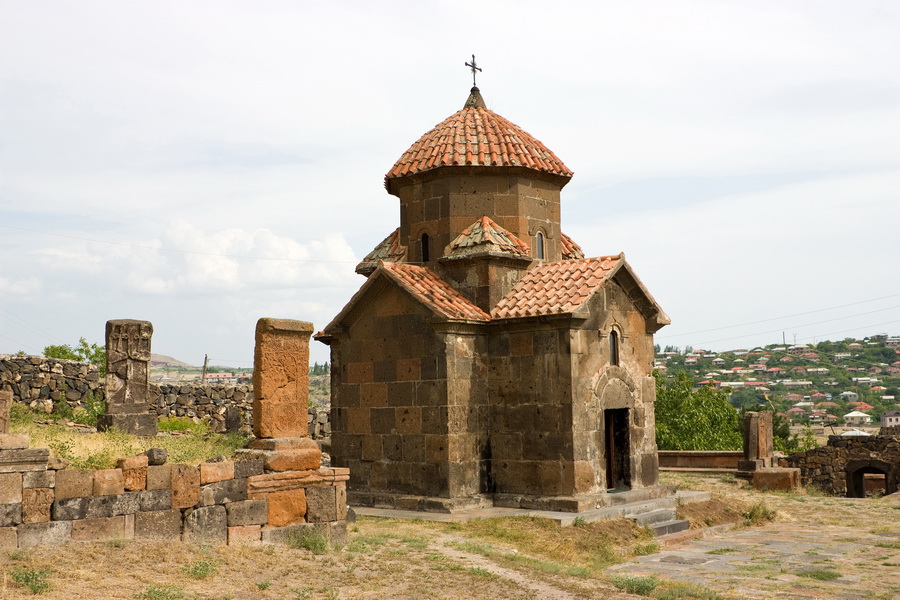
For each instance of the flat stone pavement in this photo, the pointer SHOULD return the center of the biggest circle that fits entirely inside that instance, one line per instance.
(781, 560)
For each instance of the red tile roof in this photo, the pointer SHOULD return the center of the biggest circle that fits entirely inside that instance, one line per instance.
(569, 248)
(433, 291)
(389, 249)
(476, 137)
(555, 288)
(485, 236)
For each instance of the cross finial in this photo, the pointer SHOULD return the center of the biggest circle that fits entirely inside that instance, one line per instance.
(474, 66)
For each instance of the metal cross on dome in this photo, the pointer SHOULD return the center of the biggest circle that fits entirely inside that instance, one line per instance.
(474, 66)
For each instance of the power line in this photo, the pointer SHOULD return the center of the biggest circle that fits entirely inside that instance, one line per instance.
(785, 317)
(173, 250)
(27, 325)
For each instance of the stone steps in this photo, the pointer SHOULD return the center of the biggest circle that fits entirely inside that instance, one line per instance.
(654, 516)
(668, 527)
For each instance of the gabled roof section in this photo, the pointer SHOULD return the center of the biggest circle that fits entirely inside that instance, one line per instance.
(569, 248)
(388, 250)
(484, 235)
(476, 136)
(562, 287)
(421, 283)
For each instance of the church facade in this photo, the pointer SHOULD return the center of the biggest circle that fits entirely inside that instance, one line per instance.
(485, 360)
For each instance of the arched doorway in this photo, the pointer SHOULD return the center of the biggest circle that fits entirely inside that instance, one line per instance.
(614, 392)
(857, 482)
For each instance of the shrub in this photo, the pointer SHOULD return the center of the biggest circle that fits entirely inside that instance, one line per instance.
(758, 514)
(33, 579)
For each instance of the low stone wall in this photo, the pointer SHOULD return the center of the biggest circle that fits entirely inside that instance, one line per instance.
(223, 502)
(38, 382)
(699, 459)
(840, 467)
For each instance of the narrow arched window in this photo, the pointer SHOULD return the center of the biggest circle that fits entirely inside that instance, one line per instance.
(613, 347)
(539, 245)
(426, 256)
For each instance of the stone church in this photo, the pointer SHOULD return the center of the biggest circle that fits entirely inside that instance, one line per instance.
(485, 361)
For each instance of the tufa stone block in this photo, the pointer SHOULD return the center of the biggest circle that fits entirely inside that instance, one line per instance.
(101, 530)
(108, 482)
(294, 460)
(57, 464)
(10, 514)
(74, 483)
(6, 400)
(142, 424)
(155, 525)
(54, 533)
(321, 504)
(155, 500)
(211, 472)
(10, 488)
(95, 507)
(206, 525)
(776, 478)
(36, 504)
(287, 507)
(14, 441)
(157, 456)
(223, 492)
(248, 467)
(185, 486)
(244, 534)
(294, 443)
(39, 479)
(159, 477)
(248, 512)
(19, 461)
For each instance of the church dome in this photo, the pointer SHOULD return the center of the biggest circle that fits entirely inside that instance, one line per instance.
(476, 136)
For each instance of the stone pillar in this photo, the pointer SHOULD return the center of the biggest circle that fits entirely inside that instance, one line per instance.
(6, 400)
(128, 378)
(758, 445)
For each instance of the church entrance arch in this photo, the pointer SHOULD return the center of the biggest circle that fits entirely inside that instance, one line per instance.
(614, 392)
(856, 471)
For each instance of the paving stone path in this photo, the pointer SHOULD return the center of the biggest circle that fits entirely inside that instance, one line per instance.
(783, 560)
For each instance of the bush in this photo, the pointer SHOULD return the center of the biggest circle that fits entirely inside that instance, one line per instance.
(758, 514)
(33, 579)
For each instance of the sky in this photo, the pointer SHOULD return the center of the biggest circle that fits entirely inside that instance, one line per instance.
(204, 164)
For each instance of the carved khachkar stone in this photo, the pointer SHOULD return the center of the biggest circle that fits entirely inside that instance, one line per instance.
(758, 444)
(6, 399)
(128, 378)
(9, 441)
(281, 378)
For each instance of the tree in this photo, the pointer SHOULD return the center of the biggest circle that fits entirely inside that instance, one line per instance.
(745, 396)
(688, 419)
(84, 352)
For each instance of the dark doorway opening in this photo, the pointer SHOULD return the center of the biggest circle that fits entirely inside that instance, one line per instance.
(618, 449)
(869, 478)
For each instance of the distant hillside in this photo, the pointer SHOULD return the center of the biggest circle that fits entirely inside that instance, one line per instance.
(161, 360)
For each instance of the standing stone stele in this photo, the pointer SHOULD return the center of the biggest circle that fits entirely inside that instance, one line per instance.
(6, 400)
(758, 443)
(128, 378)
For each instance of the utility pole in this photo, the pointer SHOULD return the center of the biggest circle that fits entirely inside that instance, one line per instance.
(205, 362)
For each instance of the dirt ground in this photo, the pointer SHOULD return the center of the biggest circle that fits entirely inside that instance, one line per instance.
(510, 558)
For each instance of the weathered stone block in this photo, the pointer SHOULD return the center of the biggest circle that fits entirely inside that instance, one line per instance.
(321, 504)
(222, 492)
(10, 488)
(248, 467)
(776, 479)
(6, 400)
(74, 483)
(155, 500)
(100, 530)
(9, 539)
(159, 477)
(185, 486)
(95, 507)
(294, 460)
(57, 464)
(335, 532)
(211, 472)
(14, 441)
(340, 499)
(248, 512)
(39, 479)
(287, 507)
(10, 514)
(279, 420)
(206, 525)
(244, 534)
(54, 533)
(19, 461)
(108, 482)
(36, 504)
(161, 524)
(294, 443)
(157, 456)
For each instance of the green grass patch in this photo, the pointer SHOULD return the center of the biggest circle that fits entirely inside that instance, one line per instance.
(35, 580)
(162, 592)
(723, 551)
(482, 573)
(182, 424)
(308, 539)
(682, 591)
(759, 514)
(645, 549)
(887, 545)
(200, 569)
(474, 548)
(820, 574)
(642, 586)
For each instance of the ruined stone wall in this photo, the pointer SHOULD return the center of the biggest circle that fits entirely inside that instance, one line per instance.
(223, 502)
(38, 382)
(827, 467)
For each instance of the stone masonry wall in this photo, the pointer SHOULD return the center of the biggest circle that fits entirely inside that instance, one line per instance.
(827, 467)
(38, 382)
